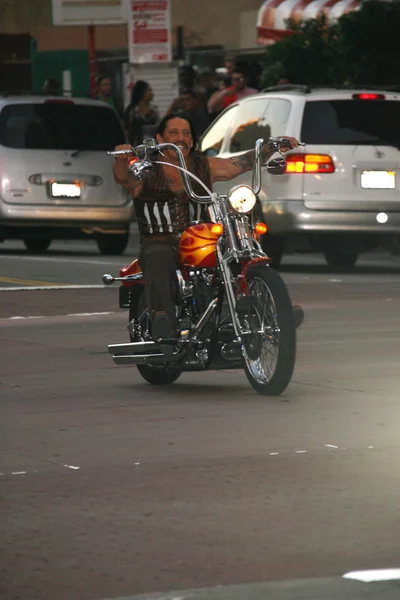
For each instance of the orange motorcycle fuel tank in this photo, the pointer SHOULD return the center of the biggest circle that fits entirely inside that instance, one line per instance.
(197, 247)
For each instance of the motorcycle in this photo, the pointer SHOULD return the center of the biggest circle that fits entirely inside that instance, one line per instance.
(233, 310)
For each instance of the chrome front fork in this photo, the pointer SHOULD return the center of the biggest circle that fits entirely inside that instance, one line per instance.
(230, 294)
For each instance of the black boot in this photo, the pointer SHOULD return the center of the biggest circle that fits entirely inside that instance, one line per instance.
(298, 316)
(162, 328)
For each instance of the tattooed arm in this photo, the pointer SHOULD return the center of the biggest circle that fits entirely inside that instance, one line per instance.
(121, 173)
(223, 169)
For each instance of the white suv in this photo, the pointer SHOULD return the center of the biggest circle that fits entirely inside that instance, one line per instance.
(341, 191)
(56, 180)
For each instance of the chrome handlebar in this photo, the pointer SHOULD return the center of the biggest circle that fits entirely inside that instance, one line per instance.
(143, 167)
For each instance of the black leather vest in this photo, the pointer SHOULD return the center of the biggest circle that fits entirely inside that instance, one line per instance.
(162, 211)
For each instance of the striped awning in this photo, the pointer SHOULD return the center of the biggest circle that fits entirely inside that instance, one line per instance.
(272, 16)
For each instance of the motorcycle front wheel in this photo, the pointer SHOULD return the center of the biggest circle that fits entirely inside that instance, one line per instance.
(270, 353)
(154, 374)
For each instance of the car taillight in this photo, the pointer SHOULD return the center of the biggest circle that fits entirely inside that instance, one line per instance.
(309, 163)
(368, 96)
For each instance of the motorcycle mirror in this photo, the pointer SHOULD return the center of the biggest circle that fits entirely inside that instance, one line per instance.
(277, 166)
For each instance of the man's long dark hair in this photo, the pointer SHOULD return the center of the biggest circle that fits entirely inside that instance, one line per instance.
(164, 122)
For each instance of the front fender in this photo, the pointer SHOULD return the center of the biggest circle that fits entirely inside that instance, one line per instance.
(252, 264)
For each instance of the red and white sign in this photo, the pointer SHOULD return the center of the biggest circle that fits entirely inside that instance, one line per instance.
(149, 31)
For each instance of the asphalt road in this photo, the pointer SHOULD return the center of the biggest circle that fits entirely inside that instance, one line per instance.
(110, 487)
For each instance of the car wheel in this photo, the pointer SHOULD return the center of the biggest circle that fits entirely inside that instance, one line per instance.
(113, 243)
(37, 244)
(273, 247)
(337, 258)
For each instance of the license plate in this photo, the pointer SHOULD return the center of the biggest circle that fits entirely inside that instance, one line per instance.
(65, 190)
(378, 180)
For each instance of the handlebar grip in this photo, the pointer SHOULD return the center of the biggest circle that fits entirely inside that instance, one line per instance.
(121, 152)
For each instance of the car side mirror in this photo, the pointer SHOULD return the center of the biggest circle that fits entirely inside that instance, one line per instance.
(277, 166)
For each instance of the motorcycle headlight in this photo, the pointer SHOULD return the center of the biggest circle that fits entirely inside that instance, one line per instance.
(242, 199)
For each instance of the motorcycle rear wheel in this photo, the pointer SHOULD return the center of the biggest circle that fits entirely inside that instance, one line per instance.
(270, 354)
(154, 374)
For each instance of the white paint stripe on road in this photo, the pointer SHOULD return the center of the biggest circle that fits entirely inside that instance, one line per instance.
(373, 575)
(52, 287)
(71, 260)
(72, 467)
(15, 318)
(89, 314)
(94, 314)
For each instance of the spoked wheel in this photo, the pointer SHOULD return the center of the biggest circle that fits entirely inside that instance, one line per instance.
(154, 374)
(270, 353)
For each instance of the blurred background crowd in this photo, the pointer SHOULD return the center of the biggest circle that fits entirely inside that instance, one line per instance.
(203, 95)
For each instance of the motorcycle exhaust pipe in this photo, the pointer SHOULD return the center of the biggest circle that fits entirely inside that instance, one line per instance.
(140, 353)
(146, 359)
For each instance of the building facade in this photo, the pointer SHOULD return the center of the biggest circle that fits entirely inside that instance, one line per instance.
(205, 23)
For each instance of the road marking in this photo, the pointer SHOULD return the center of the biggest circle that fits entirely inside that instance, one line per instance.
(89, 314)
(27, 281)
(93, 314)
(72, 467)
(53, 287)
(373, 575)
(19, 318)
(331, 446)
(24, 258)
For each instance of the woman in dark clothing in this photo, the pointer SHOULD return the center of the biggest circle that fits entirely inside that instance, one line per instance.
(140, 117)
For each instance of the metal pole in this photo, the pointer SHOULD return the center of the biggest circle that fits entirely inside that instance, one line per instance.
(92, 60)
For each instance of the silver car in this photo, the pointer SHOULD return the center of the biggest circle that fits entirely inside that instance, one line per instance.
(341, 191)
(56, 178)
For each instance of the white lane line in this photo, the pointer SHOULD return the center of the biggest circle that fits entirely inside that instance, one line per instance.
(373, 575)
(52, 287)
(88, 314)
(29, 472)
(94, 314)
(15, 318)
(82, 261)
(331, 446)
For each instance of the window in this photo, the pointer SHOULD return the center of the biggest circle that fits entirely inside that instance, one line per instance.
(211, 143)
(59, 126)
(353, 122)
(260, 118)
(248, 126)
(276, 116)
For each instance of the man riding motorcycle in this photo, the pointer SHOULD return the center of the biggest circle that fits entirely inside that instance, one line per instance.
(164, 211)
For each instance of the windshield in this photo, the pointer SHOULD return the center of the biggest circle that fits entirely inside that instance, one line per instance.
(353, 122)
(59, 126)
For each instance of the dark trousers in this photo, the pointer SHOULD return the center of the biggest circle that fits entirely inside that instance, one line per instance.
(158, 261)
